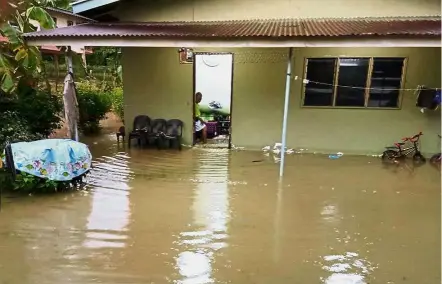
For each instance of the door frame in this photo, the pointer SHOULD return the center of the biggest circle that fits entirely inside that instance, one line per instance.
(231, 91)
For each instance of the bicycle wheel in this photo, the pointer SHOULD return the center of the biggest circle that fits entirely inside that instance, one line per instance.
(435, 159)
(418, 158)
(389, 155)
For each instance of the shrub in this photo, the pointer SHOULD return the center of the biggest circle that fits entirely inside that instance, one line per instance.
(117, 102)
(41, 110)
(14, 128)
(28, 114)
(93, 105)
(28, 183)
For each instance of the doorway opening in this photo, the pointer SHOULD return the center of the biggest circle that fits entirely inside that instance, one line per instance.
(213, 78)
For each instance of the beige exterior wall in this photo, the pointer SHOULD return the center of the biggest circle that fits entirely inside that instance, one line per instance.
(62, 21)
(157, 85)
(202, 10)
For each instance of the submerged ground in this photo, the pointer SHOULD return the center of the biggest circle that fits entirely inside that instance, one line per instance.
(214, 216)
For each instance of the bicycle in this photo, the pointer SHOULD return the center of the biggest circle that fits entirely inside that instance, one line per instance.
(436, 158)
(396, 152)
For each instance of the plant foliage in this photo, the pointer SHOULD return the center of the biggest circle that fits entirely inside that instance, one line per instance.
(93, 105)
(18, 60)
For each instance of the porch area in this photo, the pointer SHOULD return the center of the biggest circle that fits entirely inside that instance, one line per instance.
(158, 85)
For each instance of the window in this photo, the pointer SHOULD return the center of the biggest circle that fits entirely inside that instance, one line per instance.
(320, 70)
(386, 78)
(55, 21)
(70, 23)
(353, 82)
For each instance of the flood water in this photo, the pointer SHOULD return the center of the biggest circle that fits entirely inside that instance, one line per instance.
(214, 216)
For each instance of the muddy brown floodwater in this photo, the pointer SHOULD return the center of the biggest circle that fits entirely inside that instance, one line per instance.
(214, 216)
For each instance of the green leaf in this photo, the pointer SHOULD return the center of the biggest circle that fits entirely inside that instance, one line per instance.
(41, 16)
(25, 62)
(11, 33)
(21, 54)
(5, 63)
(7, 82)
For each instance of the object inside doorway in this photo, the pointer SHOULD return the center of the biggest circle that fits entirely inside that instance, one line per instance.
(213, 81)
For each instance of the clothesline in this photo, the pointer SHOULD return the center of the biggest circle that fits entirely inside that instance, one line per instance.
(306, 81)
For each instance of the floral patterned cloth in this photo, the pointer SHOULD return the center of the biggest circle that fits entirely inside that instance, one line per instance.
(54, 159)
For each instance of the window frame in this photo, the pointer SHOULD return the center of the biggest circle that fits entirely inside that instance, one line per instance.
(368, 82)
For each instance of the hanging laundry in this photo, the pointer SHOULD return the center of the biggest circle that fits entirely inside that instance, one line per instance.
(428, 98)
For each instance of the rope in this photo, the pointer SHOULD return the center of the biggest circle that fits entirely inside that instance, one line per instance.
(306, 81)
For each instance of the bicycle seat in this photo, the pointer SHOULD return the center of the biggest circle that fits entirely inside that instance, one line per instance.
(399, 144)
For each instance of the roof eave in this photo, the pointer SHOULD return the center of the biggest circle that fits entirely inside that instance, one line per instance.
(256, 42)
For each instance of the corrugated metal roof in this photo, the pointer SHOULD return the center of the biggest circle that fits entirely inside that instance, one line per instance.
(69, 13)
(52, 49)
(282, 28)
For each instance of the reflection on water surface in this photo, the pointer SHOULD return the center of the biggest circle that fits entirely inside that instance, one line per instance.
(214, 216)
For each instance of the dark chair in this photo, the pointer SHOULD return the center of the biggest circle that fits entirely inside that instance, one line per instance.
(174, 132)
(157, 131)
(141, 127)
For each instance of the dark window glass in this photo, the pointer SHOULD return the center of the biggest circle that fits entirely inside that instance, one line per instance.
(319, 70)
(353, 72)
(55, 21)
(70, 23)
(385, 82)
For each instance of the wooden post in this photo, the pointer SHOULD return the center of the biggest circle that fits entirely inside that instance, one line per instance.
(57, 72)
(71, 71)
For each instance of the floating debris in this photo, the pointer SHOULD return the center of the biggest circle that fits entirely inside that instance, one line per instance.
(276, 149)
(336, 156)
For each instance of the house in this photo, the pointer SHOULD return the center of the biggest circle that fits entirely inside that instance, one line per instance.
(64, 18)
(355, 65)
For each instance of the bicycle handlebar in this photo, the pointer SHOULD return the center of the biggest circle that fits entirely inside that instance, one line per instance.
(415, 138)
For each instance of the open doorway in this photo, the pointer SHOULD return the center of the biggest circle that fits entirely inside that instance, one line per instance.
(213, 77)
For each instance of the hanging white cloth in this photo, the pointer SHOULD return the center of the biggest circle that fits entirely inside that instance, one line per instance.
(70, 107)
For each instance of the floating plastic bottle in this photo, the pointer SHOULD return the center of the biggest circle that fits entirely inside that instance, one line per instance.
(336, 156)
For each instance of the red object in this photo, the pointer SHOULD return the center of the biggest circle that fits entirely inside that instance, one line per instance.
(265, 29)
(212, 129)
(50, 49)
(415, 138)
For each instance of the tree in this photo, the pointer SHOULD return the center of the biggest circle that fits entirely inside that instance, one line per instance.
(19, 61)
(62, 4)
